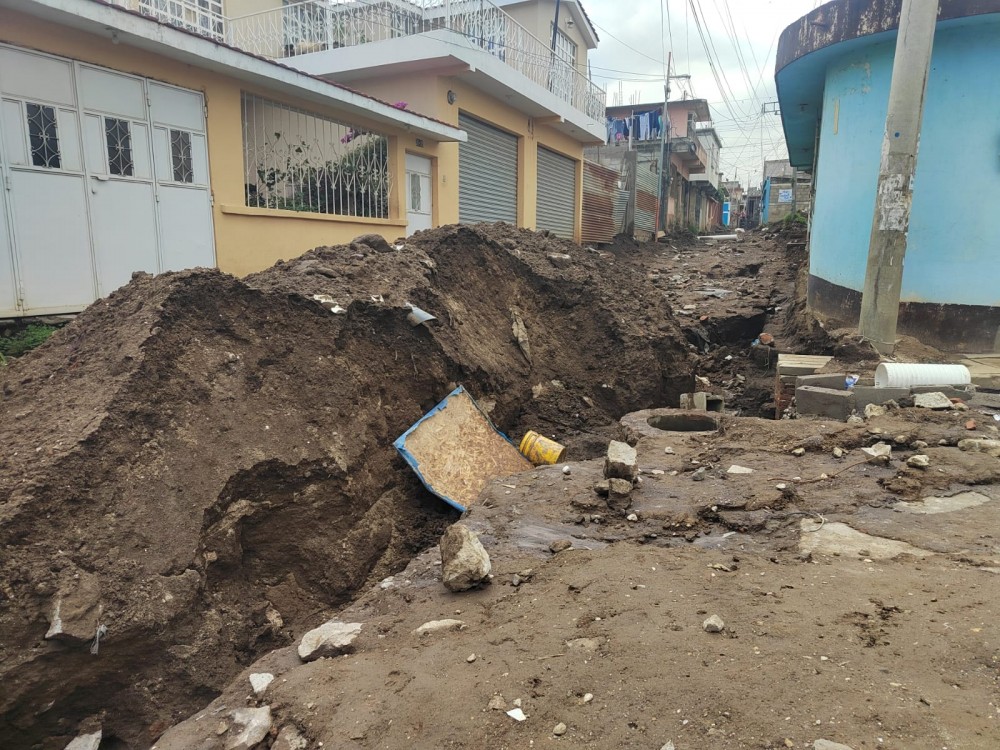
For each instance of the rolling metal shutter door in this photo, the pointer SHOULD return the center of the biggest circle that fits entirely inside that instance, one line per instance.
(487, 174)
(556, 193)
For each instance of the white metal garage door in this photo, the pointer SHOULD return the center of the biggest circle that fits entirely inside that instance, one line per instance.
(104, 174)
(487, 173)
(556, 193)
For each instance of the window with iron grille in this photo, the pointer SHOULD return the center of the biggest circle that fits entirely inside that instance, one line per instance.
(298, 161)
(180, 156)
(119, 138)
(43, 136)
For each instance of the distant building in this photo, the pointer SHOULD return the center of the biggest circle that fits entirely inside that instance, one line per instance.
(695, 147)
(786, 190)
(833, 72)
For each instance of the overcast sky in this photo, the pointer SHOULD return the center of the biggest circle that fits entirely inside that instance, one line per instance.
(741, 37)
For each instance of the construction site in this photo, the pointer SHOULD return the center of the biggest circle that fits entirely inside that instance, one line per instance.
(210, 541)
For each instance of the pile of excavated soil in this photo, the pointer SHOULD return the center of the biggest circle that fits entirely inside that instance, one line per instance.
(198, 469)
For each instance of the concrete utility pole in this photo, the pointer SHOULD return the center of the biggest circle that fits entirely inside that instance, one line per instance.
(891, 222)
(664, 191)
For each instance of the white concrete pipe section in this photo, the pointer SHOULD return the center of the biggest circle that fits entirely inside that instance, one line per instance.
(904, 374)
(738, 236)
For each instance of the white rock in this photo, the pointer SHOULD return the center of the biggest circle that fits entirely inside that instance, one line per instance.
(668, 746)
(86, 741)
(253, 725)
(699, 474)
(621, 462)
(470, 658)
(918, 461)
(632, 517)
(978, 445)
(736, 469)
(588, 697)
(936, 400)
(668, 450)
(874, 410)
(517, 714)
(439, 626)
(838, 452)
(567, 470)
(260, 681)
(464, 562)
(289, 739)
(559, 729)
(855, 419)
(828, 745)
(879, 453)
(799, 452)
(713, 624)
(329, 639)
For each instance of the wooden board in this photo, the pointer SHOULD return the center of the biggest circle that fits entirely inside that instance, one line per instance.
(801, 364)
(456, 450)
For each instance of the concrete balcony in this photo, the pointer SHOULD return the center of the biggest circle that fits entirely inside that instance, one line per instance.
(349, 40)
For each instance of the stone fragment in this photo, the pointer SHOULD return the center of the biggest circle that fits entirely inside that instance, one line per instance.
(971, 424)
(828, 745)
(713, 624)
(602, 488)
(737, 469)
(260, 681)
(799, 452)
(517, 714)
(620, 495)
(332, 638)
(289, 739)
(621, 462)
(464, 562)
(497, 703)
(559, 260)
(559, 729)
(90, 741)
(918, 445)
(874, 410)
(560, 545)
(251, 726)
(919, 461)
(855, 419)
(632, 517)
(979, 445)
(879, 453)
(838, 452)
(668, 451)
(439, 626)
(936, 400)
(76, 610)
(699, 474)
(470, 659)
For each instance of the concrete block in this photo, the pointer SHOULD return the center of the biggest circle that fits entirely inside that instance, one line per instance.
(714, 403)
(824, 402)
(869, 394)
(702, 402)
(834, 381)
(947, 390)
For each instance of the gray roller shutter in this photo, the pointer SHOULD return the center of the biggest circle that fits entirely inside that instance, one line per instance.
(556, 193)
(487, 174)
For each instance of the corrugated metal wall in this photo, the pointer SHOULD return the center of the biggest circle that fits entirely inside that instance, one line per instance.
(487, 174)
(601, 196)
(645, 200)
(556, 193)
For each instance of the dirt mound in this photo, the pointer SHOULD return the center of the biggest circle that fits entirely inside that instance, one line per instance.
(198, 469)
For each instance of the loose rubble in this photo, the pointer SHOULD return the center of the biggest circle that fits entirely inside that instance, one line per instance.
(464, 561)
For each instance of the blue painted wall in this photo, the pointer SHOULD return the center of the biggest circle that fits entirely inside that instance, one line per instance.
(953, 248)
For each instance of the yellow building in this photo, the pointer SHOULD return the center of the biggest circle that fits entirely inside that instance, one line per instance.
(150, 135)
(510, 73)
(128, 144)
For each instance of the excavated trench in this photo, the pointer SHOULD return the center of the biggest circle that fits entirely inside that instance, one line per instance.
(200, 469)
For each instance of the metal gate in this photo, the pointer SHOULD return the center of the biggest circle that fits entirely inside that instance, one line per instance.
(600, 190)
(487, 173)
(104, 174)
(556, 193)
(646, 186)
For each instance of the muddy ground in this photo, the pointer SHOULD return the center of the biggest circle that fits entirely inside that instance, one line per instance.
(214, 478)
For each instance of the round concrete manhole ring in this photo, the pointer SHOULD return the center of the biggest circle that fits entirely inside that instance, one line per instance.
(653, 423)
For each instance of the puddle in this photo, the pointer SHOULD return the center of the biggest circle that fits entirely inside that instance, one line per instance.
(538, 536)
(839, 538)
(932, 505)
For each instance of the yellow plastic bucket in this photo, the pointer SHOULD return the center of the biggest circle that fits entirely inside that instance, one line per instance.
(540, 450)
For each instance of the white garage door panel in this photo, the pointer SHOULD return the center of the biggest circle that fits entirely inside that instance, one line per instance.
(113, 93)
(124, 231)
(53, 240)
(187, 242)
(176, 107)
(15, 141)
(8, 288)
(36, 77)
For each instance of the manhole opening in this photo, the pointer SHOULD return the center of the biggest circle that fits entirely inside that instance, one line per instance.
(683, 423)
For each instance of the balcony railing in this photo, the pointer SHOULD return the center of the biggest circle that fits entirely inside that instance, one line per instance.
(200, 16)
(314, 26)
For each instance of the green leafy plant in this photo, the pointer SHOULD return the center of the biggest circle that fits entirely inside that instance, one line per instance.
(24, 340)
